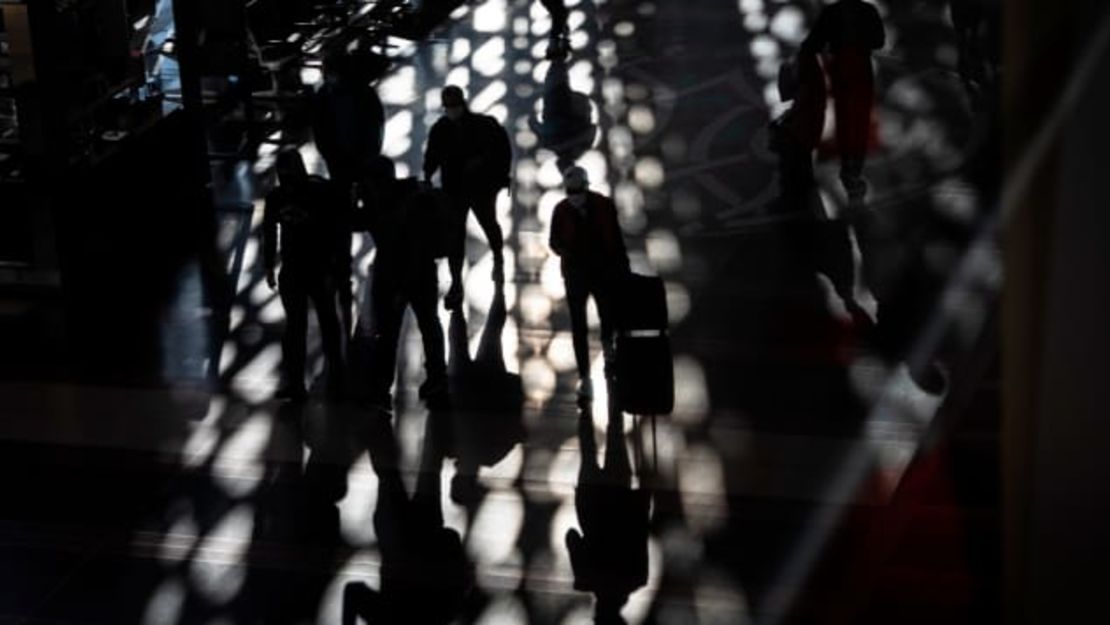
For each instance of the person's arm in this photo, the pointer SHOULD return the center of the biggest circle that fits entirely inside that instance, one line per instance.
(433, 154)
(269, 237)
(342, 225)
(556, 240)
(817, 40)
(504, 154)
(876, 34)
(614, 238)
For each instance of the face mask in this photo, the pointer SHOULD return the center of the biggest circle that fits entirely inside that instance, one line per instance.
(454, 112)
(577, 198)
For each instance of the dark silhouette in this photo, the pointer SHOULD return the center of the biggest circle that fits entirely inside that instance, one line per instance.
(310, 216)
(566, 126)
(609, 555)
(558, 42)
(796, 133)
(585, 233)
(425, 574)
(473, 153)
(816, 243)
(849, 30)
(348, 122)
(297, 534)
(977, 25)
(486, 401)
(347, 118)
(404, 276)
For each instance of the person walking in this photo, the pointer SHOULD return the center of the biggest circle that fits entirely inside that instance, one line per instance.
(473, 155)
(405, 276)
(586, 234)
(304, 223)
(348, 123)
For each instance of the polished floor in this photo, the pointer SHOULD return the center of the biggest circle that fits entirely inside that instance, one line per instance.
(805, 475)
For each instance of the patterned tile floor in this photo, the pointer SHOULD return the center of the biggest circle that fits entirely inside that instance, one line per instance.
(174, 504)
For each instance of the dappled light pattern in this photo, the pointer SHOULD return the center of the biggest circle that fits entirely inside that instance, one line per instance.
(286, 503)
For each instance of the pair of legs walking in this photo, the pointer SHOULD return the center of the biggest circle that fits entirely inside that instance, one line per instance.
(579, 288)
(391, 298)
(558, 45)
(484, 205)
(297, 288)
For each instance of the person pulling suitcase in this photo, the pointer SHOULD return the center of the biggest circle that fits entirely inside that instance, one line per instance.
(586, 235)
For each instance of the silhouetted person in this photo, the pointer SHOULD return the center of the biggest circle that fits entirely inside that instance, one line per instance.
(849, 30)
(425, 574)
(609, 556)
(348, 123)
(566, 127)
(586, 234)
(297, 505)
(796, 133)
(473, 153)
(306, 219)
(559, 40)
(347, 119)
(405, 276)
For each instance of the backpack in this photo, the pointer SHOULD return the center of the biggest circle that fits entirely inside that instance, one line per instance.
(428, 220)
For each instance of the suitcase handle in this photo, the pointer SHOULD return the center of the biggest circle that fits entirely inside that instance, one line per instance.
(642, 334)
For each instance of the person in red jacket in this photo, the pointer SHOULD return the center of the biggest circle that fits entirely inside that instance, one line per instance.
(849, 30)
(586, 235)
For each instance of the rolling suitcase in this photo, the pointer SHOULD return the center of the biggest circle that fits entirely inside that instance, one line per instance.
(644, 369)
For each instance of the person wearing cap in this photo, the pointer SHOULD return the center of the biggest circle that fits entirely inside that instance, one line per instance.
(586, 235)
(474, 157)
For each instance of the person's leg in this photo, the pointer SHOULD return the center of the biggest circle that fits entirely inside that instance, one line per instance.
(324, 301)
(557, 9)
(605, 293)
(557, 44)
(580, 333)
(848, 166)
(618, 467)
(388, 315)
(485, 209)
(294, 299)
(423, 305)
(456, 253)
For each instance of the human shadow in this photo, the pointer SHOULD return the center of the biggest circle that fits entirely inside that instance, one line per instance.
(296, 536)
(565, 126)
(487, 401)
(609, 552)
(425, 574)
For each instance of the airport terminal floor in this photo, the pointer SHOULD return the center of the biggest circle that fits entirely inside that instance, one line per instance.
(831, 455)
